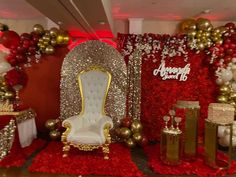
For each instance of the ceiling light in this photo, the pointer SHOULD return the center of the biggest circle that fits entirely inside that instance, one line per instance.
(102, 22)
(206, 11)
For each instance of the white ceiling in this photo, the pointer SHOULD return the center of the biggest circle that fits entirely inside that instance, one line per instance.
(224, 10)
(18, 9)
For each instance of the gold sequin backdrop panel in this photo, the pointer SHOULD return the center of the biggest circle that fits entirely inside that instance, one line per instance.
(93, 53)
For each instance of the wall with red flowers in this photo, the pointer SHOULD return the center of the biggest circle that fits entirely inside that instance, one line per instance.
(42, 92)
(158, 96)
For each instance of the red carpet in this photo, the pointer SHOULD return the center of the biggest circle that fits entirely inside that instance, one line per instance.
(18, 157)
(186, 168)
(50, 160)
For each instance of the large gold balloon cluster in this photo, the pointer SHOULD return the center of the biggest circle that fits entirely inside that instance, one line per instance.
(201, 34)
(5, 92)
(131, 132)
(53, 126)
(50, 38)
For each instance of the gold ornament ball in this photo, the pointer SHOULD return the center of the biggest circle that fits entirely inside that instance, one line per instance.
(125, 132)
(224, 89)
(50, 124)
(38, 29)
(49, 50)
(137, 137)
(53, 42)
(60, 39)
(192, 33)
(54, 32)
(136, 126)
(222, 99)
(54, 134)
(130, 143)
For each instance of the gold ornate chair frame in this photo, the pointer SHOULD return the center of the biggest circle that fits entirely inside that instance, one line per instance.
(106, 128)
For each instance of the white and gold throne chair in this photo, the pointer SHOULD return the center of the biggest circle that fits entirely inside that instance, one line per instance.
(90, 129)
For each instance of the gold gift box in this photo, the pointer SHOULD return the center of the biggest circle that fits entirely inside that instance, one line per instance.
(221, 113)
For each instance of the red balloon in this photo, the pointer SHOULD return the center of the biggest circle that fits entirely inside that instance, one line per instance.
(233, 37)
(229, 51)
(14, 51)
(230, 25)
(21, 58)
(9, 39)
(24, 36)
(227, 41)
(126, 122)
(11, 59)
(226, 46)
(221, 55)
(234, 55)
(227, 58)
(144, 141)
(21, 49)
(32, 50)
(26, 43)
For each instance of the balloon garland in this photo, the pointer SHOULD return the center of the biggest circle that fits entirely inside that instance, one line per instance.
(23, 50)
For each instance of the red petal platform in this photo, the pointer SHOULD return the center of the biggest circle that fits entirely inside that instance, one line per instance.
(50, 160)
(196, 167)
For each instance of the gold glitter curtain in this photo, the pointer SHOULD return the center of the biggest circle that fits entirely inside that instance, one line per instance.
(93, 53)
(134, 85)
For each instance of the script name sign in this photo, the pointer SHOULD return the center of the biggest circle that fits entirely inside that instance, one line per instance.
(177, 73)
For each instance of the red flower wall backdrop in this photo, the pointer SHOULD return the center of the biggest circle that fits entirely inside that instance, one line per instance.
(158, 96)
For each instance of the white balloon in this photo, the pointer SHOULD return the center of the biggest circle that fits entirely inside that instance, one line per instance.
(226, 140)
(227, 75)
(221, 131)
(219, 81)
(233, 85)
(4, 67)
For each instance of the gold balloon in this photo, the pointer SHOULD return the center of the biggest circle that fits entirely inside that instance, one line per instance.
(66, 39)
(53, 42)
(203, 24)
(54, 32)
(192, 33)
(38, 29)
(47, 32)
(46, 38)
(219, 41)
(45, 43)
(187, 24)
(125, 132)
(50, 124)
(130, 143)
(224, 89)
(41, 40)
(60, 39)
(223, 29)
(222, 99)
(9, 94)
(210, 28)
(232, 95)
(54, 134)
(42, 46)
(136, 126)
(137, 137)
(49, 50)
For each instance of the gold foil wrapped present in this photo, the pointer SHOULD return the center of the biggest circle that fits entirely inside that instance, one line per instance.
(221, 113)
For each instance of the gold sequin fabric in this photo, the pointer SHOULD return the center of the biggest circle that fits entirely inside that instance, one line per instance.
(83, 56)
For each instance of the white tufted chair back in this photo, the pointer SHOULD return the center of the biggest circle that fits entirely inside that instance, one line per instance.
(94, 85)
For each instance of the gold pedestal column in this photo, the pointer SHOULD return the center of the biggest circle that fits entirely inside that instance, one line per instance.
(211, 146)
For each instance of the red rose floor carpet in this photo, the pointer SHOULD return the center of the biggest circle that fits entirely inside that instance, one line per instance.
(18, 157)
(196, 167)
(50, 160)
